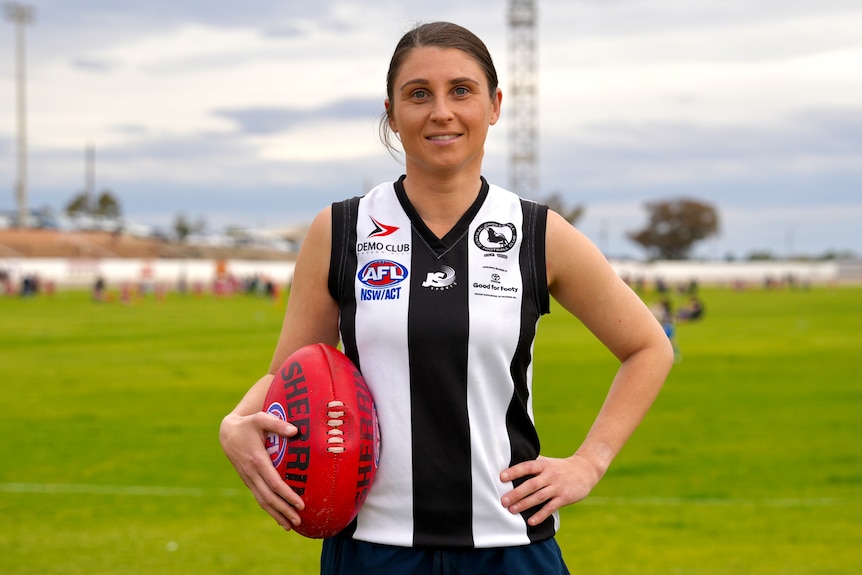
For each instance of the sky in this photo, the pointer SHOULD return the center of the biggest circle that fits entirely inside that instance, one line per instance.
(261, 114)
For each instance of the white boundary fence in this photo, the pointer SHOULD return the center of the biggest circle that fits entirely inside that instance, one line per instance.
(82, 273)
(741, 273)
(169, 273)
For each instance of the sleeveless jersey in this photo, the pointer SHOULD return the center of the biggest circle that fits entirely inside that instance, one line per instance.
(442, 329)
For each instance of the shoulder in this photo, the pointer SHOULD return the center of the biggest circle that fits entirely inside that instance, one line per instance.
(320, 228)
(314, 252)
(572, 259)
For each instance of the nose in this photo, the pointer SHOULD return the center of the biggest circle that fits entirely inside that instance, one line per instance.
(441, 112)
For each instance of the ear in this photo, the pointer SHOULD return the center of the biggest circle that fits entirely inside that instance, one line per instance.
(495, 106)
(389, 119)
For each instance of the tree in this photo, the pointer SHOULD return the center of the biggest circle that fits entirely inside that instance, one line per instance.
(184, 228)
(556, 203)
(675, 226)
(107, 205)
(79, 204)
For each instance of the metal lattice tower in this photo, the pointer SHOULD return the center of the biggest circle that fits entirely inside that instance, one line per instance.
(523, 95)
(21, 15)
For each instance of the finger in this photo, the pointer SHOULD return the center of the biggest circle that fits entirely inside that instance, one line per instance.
(543, 513)
(265, 479)
(539, 506)
(291, 500)
(525, 489)
(279, 500)
(530, 500)
(522, 499)
(272, 424)
(269, 488)
(284, 514)
(523, 469)
(285, 522)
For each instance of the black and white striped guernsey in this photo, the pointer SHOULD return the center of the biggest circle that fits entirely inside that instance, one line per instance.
(443, 331)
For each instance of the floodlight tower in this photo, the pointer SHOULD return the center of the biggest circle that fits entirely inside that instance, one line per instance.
(523, 95)
(21, 15)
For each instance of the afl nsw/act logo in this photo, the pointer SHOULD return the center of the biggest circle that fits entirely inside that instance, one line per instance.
(382, 279)
(382, 274)
(495, 237)
(276, 444)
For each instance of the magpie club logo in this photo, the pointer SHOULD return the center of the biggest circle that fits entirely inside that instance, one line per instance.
(495, 237)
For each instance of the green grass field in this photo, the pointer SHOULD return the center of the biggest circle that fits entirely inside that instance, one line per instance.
(749, 463)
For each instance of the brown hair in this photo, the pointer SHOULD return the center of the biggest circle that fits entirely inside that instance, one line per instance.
(438, 35)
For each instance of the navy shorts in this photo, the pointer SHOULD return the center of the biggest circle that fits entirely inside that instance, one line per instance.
(345, 556)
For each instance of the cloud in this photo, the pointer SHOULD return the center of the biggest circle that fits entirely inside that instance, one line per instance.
(246, 110)
(273, 120)
(95, 65)
(629, 159)
(633, 18)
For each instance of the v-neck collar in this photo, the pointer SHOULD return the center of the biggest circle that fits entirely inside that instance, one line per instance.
(440, 245)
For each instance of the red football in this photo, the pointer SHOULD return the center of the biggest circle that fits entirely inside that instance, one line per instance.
(332, 460)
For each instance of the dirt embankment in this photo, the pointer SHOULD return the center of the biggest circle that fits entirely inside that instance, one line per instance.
(37, 243)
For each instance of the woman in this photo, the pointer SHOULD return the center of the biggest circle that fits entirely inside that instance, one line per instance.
(462, 272)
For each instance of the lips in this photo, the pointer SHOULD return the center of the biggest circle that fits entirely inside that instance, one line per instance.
(443, 137)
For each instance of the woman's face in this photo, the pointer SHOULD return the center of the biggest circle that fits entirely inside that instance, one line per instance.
(441, 109)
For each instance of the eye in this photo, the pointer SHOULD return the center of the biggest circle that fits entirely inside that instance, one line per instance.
(461, 91)
(419, 94)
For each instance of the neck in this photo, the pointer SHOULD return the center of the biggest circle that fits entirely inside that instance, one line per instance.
(441, 201)
(442, 204)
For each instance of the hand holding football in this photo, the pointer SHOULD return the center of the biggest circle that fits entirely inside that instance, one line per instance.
(332, 459)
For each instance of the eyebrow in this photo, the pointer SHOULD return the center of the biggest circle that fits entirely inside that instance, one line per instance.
(453, 82)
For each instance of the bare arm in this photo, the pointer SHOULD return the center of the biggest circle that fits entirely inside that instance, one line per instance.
(584, 283)
(311, 317)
